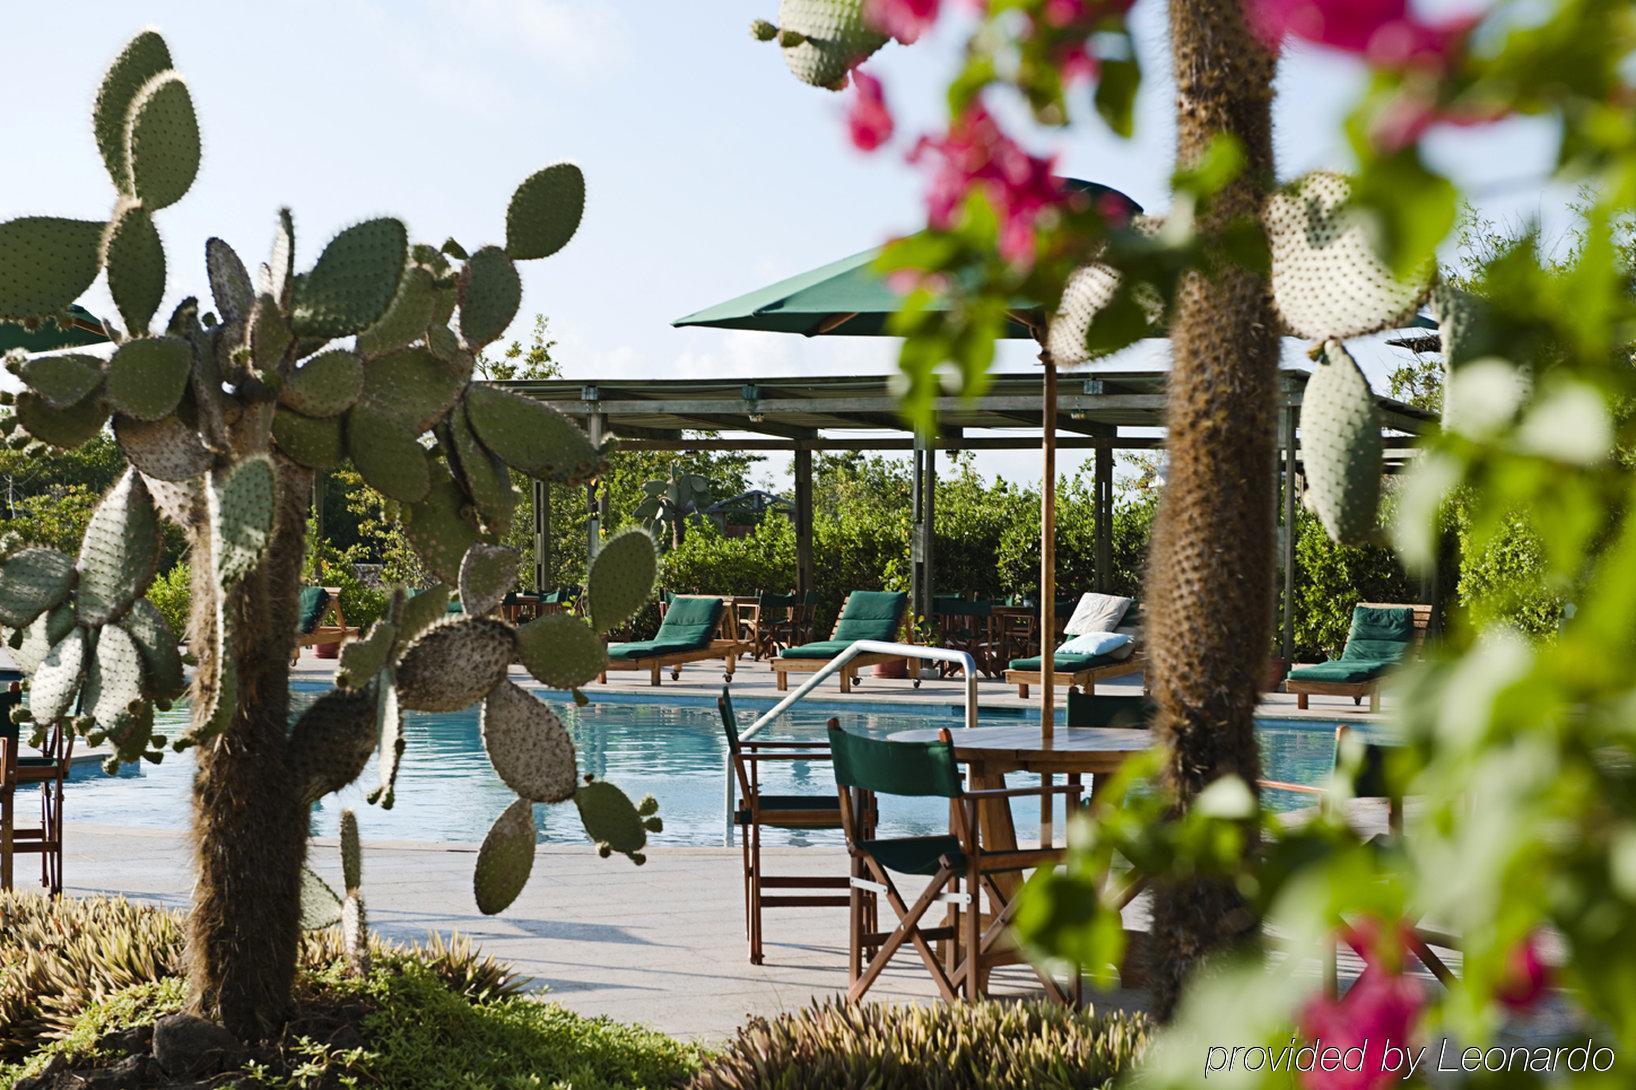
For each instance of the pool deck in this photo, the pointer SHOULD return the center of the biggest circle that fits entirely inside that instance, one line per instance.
(662, 944)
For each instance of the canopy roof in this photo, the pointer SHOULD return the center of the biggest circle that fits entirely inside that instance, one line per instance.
(850, 298)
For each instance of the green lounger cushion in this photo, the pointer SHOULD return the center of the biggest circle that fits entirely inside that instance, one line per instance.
(1069, 662)
(1341, 670)
(314, 601)
(869, 615)
(689, 625)
(1379, 635)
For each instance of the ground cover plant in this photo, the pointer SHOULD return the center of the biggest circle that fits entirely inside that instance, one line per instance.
(83, 982)
(224, 411)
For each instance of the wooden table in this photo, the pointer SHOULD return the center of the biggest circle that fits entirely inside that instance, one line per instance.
(990, 752)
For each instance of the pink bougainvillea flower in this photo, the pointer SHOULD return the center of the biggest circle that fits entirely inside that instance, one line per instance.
(867, 117)
(904, 20)
(1383, 31)
(977, 154)
(1377, 1014)
(1527, 977)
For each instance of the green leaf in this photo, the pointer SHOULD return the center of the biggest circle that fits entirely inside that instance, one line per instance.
(1414, 208)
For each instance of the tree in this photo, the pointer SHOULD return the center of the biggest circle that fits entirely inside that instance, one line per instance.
(517, 363)
(224, 417)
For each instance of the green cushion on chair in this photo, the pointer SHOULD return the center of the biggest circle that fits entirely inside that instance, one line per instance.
(1068, 662)
(1379, 635)
(914, 854)
(871, 615)
(1341, 671)
(314, 601)
(689, 625)
(823, 649)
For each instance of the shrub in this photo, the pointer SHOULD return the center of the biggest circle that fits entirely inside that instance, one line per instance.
(171, 594)
(1330, 579)
(58, 957)
(947, 1046)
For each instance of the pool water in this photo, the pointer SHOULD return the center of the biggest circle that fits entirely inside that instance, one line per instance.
(671, 749)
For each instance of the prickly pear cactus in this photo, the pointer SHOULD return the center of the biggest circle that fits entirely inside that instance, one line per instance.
(822, 40)
(1327, 280)
(614, 822)
(1341, 447)
(225, 407)
(354, 920)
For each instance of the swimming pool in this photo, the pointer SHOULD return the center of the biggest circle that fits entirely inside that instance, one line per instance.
(670, 748)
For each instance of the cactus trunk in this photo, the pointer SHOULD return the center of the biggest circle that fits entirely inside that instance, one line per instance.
(249, 824)
(1210, 588)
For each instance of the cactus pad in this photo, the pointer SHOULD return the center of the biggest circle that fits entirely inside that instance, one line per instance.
(612, 822)
(388, 740)
(1465, 326)
(387, 454)
(528, 746)
(363, 658)
(320, 905)
(39, 638)
(406, 318)
(545, 212)
(487, 573)
(1088, 291)
(66, 428)
(353, 282)
(241, 501)
(351, 853)
(314, 443)
(411, 385)
(180, 502)
(62, 381)
(486, 478)
(1341, 447)
(230, 283)
(46, 263)
(561, 651)
(161, 142)
(823, 40)
(113, 678)
(454, 663)
(332, 742)
(279, 272)
(622, 577)
(505, 859)
(420, 612)
(146, 377)
(119, 551)
(268, 334)
(1327, 280)
(51, 690)
(490, 293)
(531, 437)
(441, 529)
(161, 662)
(135, 260)
(328, 384)
(166, 449)
(31, 582)
(143, 58)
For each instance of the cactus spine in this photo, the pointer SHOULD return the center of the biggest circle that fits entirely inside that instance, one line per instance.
(222, 414)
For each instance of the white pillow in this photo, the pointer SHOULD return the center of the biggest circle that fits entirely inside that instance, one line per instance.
(1096, 613)
(1095, 643)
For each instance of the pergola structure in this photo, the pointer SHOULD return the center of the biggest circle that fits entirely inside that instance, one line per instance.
(1101, 410)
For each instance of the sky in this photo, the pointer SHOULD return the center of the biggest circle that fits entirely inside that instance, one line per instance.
(710, 170)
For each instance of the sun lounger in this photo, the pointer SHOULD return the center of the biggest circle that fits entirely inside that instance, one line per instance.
(866, 615)
(1075, 671)
(318, 605)
(1381, 637)
(692, 631)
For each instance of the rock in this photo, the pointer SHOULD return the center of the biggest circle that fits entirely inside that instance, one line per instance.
(188, 1046)
(127, 1074)
(135, 1040)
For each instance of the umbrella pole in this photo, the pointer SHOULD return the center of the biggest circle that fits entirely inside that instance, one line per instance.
(1048, 578)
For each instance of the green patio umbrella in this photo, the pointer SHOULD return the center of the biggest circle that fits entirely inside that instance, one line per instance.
(849, 298)
(78, 328)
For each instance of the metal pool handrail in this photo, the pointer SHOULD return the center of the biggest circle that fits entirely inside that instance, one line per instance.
(860, 647)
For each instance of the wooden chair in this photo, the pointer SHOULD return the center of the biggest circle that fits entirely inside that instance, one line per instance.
(865, 615)
(318, 605)
(1371, 782)
(867, 766)
(49, 772)
(757, 810)
(1355, 674)
(694, 628)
